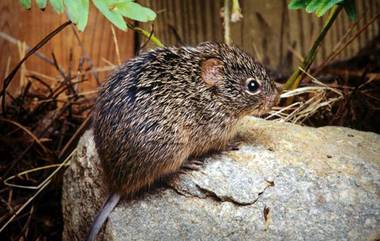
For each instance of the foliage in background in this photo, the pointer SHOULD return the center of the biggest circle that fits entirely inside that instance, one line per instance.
(114, 10)
(320, 7)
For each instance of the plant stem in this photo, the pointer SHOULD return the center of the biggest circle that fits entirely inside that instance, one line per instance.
(147, 34)
(295, 79)
(227, 32)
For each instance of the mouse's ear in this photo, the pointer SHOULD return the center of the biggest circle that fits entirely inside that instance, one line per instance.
(212, 71)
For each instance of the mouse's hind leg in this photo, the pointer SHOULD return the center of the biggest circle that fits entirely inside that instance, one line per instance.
(191, 165)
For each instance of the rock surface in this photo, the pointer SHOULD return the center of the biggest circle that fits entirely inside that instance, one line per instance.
(286, 182)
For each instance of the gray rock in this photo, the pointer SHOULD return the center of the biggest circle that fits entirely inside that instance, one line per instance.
(286, 182)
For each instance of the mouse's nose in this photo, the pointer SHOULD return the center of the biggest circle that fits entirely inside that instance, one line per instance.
(278, 87)
(272, 100)
(274, 97)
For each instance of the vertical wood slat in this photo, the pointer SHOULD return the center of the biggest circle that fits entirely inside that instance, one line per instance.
(193, 20)
(31, 26)
(262, 31)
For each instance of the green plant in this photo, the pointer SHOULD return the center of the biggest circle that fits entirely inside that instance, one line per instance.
(114, 10)
(319, 7)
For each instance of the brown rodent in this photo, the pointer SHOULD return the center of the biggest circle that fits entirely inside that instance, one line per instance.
(171, 104)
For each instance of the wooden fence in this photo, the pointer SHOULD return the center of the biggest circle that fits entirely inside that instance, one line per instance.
(274, 35)
(31, 26)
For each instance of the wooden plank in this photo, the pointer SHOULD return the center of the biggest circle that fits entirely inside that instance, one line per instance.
(193, 20)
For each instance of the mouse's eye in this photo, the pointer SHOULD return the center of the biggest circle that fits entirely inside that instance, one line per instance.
(252, 86)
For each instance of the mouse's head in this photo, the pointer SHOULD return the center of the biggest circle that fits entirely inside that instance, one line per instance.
(237, 80)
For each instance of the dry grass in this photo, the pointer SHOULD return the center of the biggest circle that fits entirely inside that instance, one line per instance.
(44, 119)
(319, 96)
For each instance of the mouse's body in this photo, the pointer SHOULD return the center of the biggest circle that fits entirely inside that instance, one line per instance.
(169, 104)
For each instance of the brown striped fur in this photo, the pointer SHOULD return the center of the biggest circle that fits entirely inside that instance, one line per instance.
(156, 111)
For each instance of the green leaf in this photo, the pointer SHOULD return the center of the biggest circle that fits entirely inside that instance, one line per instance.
(84, 5)
(41, 3)
(114, 17)
(320, 7)
(313, 5)
(72, 10)
(350, 8)
(134, 11)
(297, 4)
(27, 4)
(325, 6)
(57, 5)
(77, 10)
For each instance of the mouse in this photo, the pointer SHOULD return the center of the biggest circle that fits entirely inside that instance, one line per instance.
(161, 110)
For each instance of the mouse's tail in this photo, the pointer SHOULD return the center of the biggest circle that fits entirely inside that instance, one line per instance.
(109, 205)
